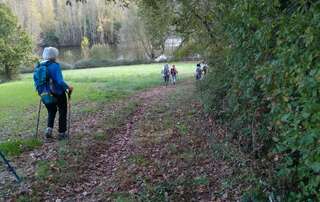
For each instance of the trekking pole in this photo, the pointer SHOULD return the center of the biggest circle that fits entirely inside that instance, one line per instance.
(38, 119)
(69, 113)
(10, 168)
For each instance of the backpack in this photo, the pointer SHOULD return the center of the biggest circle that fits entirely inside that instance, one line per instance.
(42, 83)
(199, 70)
(166, 70)
(173, 71)
(198, 73)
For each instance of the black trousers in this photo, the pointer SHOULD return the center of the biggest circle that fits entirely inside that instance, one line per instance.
(61, 105)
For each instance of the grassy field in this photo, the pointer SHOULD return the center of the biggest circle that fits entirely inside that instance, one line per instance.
(19, 101)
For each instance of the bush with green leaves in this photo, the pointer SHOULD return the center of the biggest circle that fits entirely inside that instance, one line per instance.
(264, 82)
(85, 47)
(102, 52)
(92, 63)
(50, 38)
(15, 44)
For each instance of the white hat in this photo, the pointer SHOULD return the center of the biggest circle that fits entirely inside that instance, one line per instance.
(50, 53)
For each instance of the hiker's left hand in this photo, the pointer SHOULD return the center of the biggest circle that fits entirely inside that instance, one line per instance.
(70, 89)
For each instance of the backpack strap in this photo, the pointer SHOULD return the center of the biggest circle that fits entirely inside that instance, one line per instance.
(46, 64)
(38, 64)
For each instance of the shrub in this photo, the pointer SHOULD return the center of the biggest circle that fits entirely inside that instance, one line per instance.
(264, 82)
(101, 52)
(68, 56)
(50, 38)
(89, 63)
(15, 44)
(85, 50)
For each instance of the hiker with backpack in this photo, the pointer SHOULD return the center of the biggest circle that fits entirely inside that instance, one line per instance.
(198, 72)
(204, 67)
(166, 73)
(174, 73)
(52, 90)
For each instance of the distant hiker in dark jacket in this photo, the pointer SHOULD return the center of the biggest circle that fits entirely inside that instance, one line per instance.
(58, 88)
(198, 72)
(174, 73)
(166, 73)
(204, 67)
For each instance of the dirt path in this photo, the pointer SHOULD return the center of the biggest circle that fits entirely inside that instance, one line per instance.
(156, 146)
(105, 160)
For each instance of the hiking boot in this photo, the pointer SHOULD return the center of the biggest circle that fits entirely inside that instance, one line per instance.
(63, 136)
(48, 133)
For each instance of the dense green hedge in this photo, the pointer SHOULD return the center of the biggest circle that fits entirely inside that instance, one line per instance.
(264, 82)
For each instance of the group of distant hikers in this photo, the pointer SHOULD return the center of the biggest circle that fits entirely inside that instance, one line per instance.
(200, 72)
(55, 92)
(167, 72)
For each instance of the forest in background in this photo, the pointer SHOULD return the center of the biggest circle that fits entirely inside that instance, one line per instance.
(91, 34)
(54, 23)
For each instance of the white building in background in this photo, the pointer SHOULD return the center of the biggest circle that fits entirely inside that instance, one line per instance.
(173, 42)
(161, 58)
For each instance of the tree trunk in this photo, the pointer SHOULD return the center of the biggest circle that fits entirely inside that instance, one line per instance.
(7, 73)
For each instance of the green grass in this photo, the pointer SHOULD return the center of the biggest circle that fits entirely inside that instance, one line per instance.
(100, 137)
(17, 146)
(183, 129)
(19, 101)
(42, 170)
(138, 159)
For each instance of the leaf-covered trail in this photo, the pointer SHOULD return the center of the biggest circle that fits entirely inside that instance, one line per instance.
(105, 159)
(155, 146)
